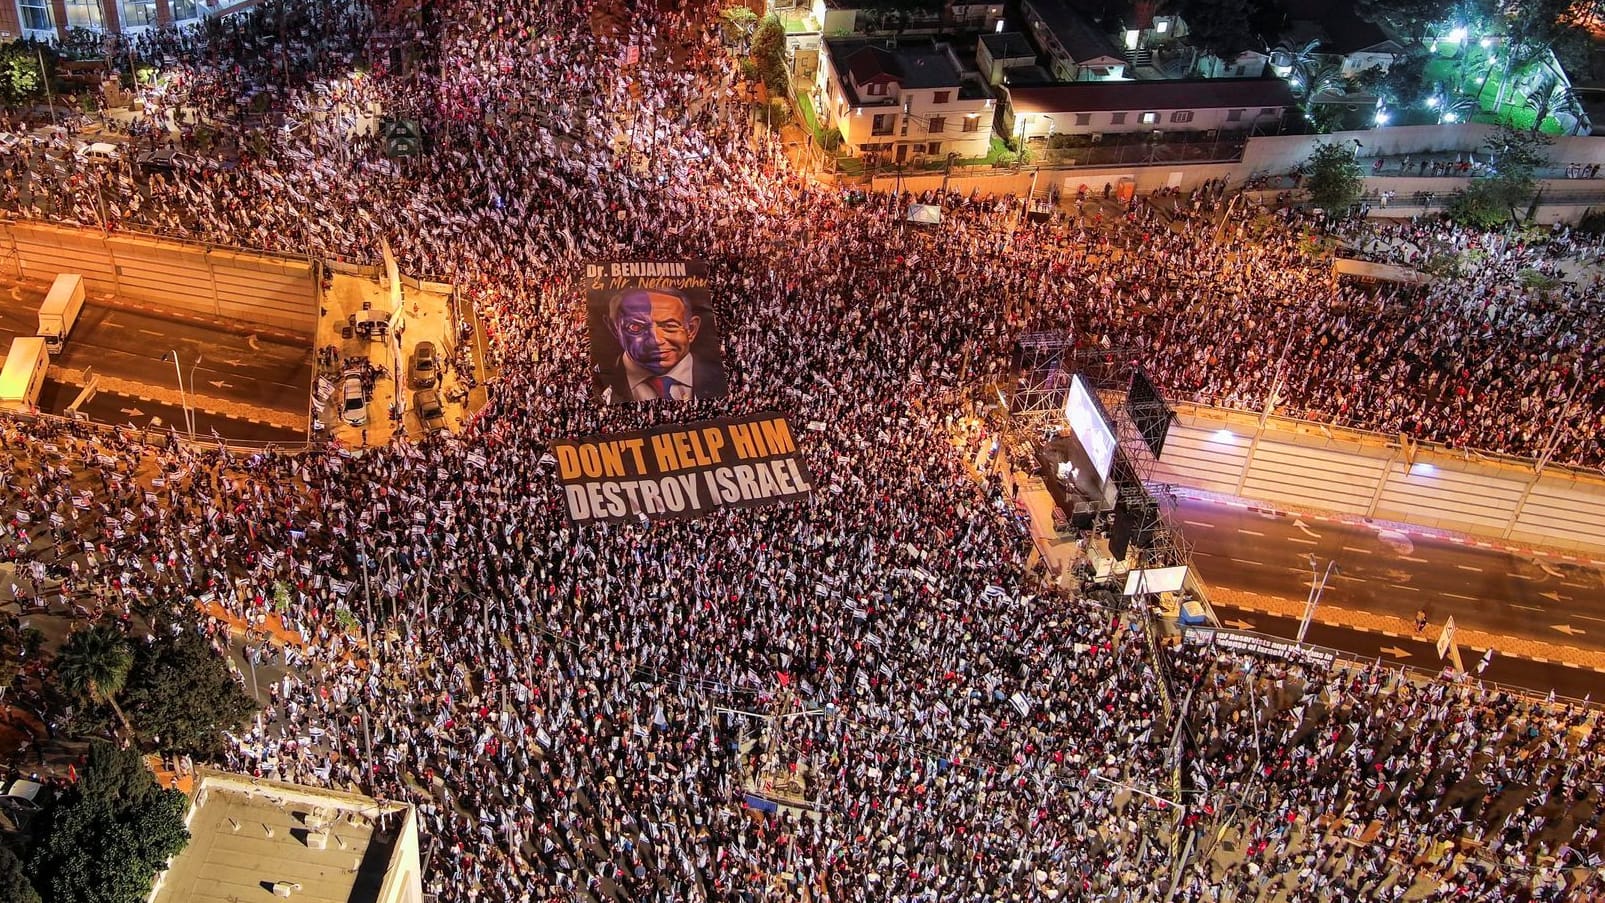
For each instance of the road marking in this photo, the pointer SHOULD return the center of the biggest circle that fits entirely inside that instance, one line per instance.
(1402, 586)
(1458, 596)
(1245, 561)
(1250, 532)
(1350, 577)
(1355, 549)
(1469, 567)
(1589, 618)
(1577, 585)
(1196, 523)
(1307, 542)
(1416, 560)
(152, 332)
(1525, 607)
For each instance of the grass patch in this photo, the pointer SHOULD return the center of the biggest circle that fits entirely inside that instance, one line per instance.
(810, 120)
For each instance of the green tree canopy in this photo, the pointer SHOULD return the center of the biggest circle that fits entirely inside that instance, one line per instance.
(769, 55)
(1411, 19)
(94, 662)
(1512, 178)
(114, 830)
(181, 695)
(1220, 27)
(14, 884)
(1333, 177)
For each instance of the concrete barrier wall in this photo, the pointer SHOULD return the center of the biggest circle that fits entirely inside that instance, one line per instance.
(1310, 467)
(257, 289)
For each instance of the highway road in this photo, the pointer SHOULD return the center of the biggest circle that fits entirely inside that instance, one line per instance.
(109, 407)
(133, 346)
(1565, 680)
(1386, 570)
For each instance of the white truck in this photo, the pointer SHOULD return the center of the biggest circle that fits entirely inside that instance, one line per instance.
(24, 373)
(60, 310)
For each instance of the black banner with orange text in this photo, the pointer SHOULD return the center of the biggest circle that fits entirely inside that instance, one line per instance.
(680, 471)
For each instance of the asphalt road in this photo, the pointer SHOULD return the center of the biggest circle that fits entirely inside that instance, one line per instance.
(1390, 572)
(1421, 653)
(111, 408)
(135, 346)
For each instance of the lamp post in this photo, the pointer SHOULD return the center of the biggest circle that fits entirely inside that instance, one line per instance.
(1316, 588)
(183, 398)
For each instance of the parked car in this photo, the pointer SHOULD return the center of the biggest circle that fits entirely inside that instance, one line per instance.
(430, 412)
(166, 160)
(24, 800)
(425, 369)
(353, 401)
(99, 152)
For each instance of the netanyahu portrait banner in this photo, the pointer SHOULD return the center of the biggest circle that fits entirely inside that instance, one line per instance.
(653, 335)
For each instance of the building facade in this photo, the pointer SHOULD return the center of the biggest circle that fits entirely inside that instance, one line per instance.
(904, 102)
(1254, 105)
(45, 19)
(1076, 49)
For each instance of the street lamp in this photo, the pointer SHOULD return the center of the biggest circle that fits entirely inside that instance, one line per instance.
(1316, 588)
(183, 399)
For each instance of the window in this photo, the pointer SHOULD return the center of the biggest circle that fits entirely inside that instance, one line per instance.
(935, 147)
(1267, 111)
(84, 14)
(937, 126)
(972, 123)
(1148, 118)
(875, 89)
(883, 124)
(942, 97)
(183, 9)
(1234, 115)
(36, 15)
(138, 12)
(1083, 119)
(1161, 25)
(1182, 116)
(1117, 118)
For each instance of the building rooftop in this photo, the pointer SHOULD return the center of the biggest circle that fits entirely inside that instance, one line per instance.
(1010, 45)
(249, 836)
(912, 65)
(1079, 35)
(1172, 94)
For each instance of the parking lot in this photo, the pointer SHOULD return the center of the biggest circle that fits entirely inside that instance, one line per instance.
(356, 384)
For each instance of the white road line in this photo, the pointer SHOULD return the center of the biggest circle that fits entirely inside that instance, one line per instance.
(1307, 542)
(1357, 549)
(1469, 567)
(1525, 607)
(1520, 577)
(1402, 586)
(1246, 561)
(1250, 532)
(1350, 577)
(1458, 596)
(1578, 585)
(1197, 523)
(1588, 618)
(1416, 560)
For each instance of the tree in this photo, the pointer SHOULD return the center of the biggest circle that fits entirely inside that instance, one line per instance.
(1549, 95)
(93, 665)
(181, 695)
(1410, 19)
(1493, 199)
(1333, 177)
(14, 884)
(21, 78)
(1404, 84)
(1220, 27)
(769, 55)
(114, 830)
(738, 22)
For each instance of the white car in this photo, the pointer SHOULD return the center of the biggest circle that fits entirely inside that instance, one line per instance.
(99, 152)
(353, 401)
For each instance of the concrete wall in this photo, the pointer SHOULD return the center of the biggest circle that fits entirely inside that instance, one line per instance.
(1148, 178)
(225, 284)
(1306, 466)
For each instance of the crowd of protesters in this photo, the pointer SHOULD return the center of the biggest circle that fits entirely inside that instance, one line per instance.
(866, 696)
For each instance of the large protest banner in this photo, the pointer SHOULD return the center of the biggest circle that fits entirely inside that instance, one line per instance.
(653, 335)
(683, 470)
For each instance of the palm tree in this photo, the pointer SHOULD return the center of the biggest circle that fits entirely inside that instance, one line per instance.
(1549, 95)
(1302, 60)
(93, 665)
